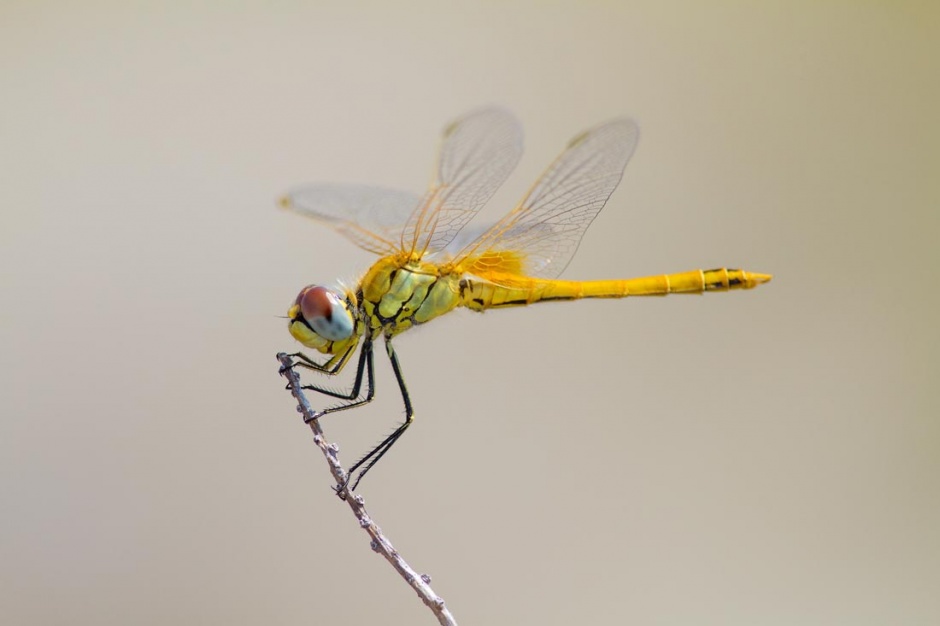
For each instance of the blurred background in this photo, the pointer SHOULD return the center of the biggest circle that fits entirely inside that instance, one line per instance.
(767, 457)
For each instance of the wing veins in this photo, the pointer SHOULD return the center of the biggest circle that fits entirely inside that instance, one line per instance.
(545, 229)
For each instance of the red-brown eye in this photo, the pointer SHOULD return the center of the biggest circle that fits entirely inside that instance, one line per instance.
(315, 302)
(326, 313)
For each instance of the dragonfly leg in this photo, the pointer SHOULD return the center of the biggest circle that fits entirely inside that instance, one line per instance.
(365, 369)
(373, 456)
(332, 366)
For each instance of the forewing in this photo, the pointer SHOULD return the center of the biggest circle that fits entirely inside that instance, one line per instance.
(371, 217)
(477, 154)
(540, 236)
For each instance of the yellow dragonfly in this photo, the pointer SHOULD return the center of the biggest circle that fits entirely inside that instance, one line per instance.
(428, 267)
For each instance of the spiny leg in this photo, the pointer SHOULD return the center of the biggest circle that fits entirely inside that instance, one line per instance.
(331, 367)
(373, 456)
(365, 368)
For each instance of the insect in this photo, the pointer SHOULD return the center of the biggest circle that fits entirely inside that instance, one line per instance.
(425, 270)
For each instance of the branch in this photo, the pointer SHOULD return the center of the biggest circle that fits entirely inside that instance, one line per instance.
(419, 582)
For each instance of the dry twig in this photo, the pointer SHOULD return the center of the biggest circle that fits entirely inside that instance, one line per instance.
(419, 582)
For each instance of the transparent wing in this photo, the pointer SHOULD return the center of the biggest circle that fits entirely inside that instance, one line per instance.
(540, 236)
(477, 153)
(371, 217)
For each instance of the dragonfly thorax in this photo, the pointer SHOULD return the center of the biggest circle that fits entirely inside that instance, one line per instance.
(399, 293)
(322, 319)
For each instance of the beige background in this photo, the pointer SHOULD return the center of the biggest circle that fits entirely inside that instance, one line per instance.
(770, 457)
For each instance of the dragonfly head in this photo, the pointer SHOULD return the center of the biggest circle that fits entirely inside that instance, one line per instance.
(320, 318)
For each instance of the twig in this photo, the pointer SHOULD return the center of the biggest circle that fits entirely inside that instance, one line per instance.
(419, 582)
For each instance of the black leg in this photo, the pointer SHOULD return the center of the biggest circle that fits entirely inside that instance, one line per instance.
(379, 451)
(331, 367)
(365, 369)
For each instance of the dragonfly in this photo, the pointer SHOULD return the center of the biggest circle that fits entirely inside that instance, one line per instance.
(429, 267)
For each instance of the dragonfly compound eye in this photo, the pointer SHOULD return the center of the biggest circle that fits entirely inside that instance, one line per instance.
(326, 313)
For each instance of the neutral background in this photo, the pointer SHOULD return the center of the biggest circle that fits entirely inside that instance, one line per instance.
(765, 457)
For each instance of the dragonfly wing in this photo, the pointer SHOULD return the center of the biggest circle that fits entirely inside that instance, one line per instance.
(371, 217)
(478, 152)
(540, 236)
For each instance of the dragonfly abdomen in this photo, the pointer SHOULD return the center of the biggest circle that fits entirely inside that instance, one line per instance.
(519, 291)
(695, 281)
